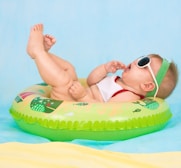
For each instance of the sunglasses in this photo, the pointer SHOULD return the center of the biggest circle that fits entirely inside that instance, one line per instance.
(145, 61)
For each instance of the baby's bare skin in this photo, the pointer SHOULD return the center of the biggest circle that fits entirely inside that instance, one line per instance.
(55, 71)
(49, 41)
(61, 74)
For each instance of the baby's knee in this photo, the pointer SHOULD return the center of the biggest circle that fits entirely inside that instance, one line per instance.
(72, 73)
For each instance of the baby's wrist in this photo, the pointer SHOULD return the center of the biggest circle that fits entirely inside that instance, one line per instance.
(105, 67)
(82, 96)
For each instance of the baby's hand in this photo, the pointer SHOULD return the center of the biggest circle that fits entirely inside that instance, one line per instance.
(77, 90)
(113, 66)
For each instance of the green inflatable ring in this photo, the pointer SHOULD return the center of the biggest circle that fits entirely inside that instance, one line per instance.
(36, 113)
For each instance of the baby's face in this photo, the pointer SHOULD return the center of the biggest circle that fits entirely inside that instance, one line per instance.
(135, 75)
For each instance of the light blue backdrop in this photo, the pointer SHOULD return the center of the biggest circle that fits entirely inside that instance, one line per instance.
(88, 32)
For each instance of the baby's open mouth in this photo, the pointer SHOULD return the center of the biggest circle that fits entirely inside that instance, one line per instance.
(128, 67)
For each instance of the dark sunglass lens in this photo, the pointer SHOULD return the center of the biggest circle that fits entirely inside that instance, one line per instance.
(143, 61)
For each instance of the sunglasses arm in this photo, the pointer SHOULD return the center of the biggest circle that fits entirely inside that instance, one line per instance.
(155, 81)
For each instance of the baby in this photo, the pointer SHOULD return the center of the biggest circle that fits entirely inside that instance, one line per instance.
(147, 76)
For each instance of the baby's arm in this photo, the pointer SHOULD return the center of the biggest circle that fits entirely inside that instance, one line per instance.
(77, 90)
(101, 71)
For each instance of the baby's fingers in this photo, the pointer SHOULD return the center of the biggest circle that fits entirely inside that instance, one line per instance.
(119, 65)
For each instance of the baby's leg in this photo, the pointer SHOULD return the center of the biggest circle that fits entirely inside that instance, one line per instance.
(50, 71)
(65, 65)
(49, 41)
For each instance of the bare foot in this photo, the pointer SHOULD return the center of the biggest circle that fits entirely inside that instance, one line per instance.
(35, 43)
(49, 41)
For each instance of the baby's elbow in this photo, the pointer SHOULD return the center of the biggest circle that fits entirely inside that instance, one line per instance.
(89, 82)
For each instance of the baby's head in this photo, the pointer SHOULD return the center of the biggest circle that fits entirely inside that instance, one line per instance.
(166, 76)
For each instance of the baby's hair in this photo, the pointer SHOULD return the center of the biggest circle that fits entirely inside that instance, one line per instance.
(170, 80)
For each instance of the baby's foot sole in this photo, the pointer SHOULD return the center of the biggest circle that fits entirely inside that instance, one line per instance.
(35, 42)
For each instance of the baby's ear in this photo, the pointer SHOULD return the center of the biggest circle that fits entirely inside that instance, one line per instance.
(149, 86)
